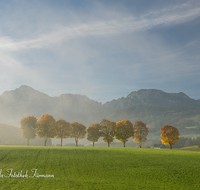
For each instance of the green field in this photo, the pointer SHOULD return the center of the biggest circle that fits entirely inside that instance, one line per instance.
(100, 168)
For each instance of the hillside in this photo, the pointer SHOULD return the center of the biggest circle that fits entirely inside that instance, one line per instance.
(153, 97)
(152, 106)
(186, 119)
(11, 135)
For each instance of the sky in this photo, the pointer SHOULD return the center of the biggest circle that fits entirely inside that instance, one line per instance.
(104, 49)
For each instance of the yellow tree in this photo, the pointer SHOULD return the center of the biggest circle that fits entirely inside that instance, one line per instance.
(78, 131)
(169, 135)
(140, 132)
(46, 127)
(107, 130)
(123, 131)
(62, 129)
(93, 133)
(28, 126)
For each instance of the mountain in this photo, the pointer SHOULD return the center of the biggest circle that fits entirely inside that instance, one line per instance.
(153, 97)
(25, 101)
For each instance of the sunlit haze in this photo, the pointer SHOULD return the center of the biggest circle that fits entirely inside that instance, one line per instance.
(103, 49)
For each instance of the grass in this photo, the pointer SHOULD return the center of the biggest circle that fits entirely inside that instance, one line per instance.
(195, 146)
(100, 168)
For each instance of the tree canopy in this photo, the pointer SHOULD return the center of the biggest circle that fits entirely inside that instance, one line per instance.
(46, 127)
(93, 133)
(140, 132)
(62, 129)
(107, 130)
(123, 131)
(28, 127)
(78, 131)
(169, 135)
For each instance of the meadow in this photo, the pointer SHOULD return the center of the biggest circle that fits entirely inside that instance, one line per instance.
(98, 168)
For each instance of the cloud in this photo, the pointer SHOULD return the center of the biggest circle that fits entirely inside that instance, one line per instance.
(100, 54)
(164, 17)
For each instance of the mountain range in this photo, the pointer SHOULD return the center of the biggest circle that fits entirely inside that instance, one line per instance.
(25, 101)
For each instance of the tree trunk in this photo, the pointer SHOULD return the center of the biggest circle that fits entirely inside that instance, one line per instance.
(170, 146)
(124, 144)
(45, 142)
(93, 144)
(108, 144)
(61, 141)
(27, 142)
(76, 141)
(140, 145)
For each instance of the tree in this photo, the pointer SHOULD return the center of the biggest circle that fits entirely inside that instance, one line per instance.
(78, 131)
(46, 127)
(93, 133)
(169, 135)
(123, 131)
(140, 132)
(107, 130)
(62, 129)
(28, 127)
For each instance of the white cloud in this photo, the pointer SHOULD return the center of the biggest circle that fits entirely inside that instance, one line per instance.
(163, 17)
(66, 41)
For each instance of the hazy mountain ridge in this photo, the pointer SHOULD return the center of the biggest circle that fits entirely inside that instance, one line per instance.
(153, 97)
(25, 101)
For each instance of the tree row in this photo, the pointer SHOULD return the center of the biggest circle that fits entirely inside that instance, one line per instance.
(47, 127)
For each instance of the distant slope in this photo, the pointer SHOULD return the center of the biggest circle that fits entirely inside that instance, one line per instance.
(11, 135)
(25, 101)
(153, 97)
(156, 116)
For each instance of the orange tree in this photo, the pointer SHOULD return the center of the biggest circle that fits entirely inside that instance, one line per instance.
(140, 132)
(78, 131)
(46, 127)
(123, 131)
(93, 133)
(28, 126)
(107, 130)
(62, 129)
(169, 135)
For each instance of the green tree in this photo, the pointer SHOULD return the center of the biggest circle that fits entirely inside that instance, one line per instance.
(169, 135)
(62, 129)
(140, 132)
(46, 127)
(107, 130)
(78, 131)
(123, 131)
(28, 127)
(93, 133)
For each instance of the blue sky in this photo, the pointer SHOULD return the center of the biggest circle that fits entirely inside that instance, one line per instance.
(102, 49)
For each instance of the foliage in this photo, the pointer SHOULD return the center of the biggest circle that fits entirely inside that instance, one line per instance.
(140, 132)
(78, 131)
(123, 131)
(107, 130)
(28, 127)
(93, 133)
(169, 135)
(62, 130)
(46, 127)
(180, 117)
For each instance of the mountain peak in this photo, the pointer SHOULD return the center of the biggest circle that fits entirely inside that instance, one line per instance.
(153, 97)
(25, 87)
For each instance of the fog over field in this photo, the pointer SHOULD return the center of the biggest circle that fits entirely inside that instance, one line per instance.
(88, 60)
